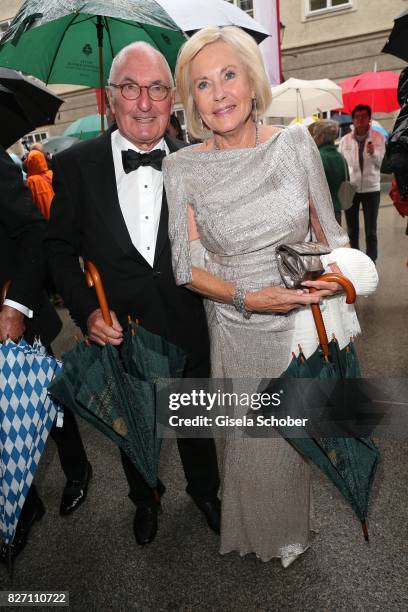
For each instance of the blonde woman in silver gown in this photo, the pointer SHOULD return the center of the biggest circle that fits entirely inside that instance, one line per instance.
(231, 201)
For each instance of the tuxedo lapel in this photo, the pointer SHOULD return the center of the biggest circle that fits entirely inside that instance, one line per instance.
(103, 180)
(162, 234)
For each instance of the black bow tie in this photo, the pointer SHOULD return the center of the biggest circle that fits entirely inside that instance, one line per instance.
(132, 159)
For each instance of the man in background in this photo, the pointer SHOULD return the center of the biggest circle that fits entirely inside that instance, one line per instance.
(364, 149)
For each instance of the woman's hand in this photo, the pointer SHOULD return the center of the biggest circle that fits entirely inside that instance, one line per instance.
(324, 289)
(279, 299)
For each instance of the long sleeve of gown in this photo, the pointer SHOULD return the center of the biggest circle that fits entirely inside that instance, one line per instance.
(177, 201)
(309, 157)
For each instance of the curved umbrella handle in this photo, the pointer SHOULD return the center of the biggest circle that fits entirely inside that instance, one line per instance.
(4, 291)
(332, 277)
(93, 279)
(317, 315)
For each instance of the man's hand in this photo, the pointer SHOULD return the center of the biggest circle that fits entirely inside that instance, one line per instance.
(11, 323)
(101, 333)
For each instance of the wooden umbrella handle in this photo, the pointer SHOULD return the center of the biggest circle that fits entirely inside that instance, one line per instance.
(317, 315)
(321, 330)
(332, 277)
(4, 291)
(93, 279)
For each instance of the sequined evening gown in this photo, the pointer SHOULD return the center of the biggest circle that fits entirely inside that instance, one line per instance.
(246, 202)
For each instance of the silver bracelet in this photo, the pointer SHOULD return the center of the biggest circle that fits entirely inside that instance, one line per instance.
(238, 301)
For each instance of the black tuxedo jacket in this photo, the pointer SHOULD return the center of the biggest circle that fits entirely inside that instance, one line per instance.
(22, 260)
(86, 220)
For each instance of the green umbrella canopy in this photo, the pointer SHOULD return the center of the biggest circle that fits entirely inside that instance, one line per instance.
(350, 463)
(94, 386)
(58, 41)
(85, 127)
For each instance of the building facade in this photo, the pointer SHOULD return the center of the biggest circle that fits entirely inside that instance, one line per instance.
(336, 39)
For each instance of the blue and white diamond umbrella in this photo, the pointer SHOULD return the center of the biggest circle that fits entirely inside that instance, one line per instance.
(27, 414)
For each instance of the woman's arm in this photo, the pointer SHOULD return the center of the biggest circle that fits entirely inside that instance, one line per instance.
(269, 299)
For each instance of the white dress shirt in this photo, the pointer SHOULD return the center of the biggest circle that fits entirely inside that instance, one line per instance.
(23, 309)
(140, 197)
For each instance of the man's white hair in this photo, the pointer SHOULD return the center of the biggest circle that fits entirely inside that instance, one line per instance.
(121, 57)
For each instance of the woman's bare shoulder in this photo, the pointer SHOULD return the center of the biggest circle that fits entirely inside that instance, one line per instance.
(267, 131)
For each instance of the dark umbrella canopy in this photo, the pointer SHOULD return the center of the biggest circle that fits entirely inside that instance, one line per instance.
(94, 385)
(348, 462)
(114, 388)
(397, 43)
(24, 105)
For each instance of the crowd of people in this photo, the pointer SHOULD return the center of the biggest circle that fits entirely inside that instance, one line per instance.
(184, 238)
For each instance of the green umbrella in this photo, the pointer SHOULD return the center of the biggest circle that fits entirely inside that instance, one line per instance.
(114, 388)
(86, 127)
(150, 356)
(349, 463)
(75, 41)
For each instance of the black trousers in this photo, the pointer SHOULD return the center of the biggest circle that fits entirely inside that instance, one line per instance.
(70, 447)
(371, 204)
(71, 453)
(199, 460)
(198, 457)
(71, 450)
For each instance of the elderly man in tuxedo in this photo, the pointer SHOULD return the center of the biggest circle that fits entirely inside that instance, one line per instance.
(27, 311)
(110, 207)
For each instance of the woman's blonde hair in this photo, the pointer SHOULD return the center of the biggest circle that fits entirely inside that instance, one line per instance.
(250, 56)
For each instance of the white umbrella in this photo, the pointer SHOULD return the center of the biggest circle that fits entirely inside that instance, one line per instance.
(201, 13)
(300, 98)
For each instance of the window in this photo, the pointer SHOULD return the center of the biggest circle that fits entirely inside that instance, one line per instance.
(4, 25)
(34, 137)
(314, 7)
(245, 5)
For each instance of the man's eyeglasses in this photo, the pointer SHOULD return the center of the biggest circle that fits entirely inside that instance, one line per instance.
(131, 91)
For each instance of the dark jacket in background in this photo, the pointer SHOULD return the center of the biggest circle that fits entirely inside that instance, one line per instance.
(396, 156)
(22, 254)
(335, 169)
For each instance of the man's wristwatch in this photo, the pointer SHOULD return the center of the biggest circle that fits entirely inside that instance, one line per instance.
(238, 301)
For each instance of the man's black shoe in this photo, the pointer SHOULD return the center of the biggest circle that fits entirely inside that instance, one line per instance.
(74, 493)
(23, 529)
(212, 512)
(145, 523)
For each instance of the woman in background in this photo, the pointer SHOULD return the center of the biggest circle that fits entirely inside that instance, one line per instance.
(335, 166)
